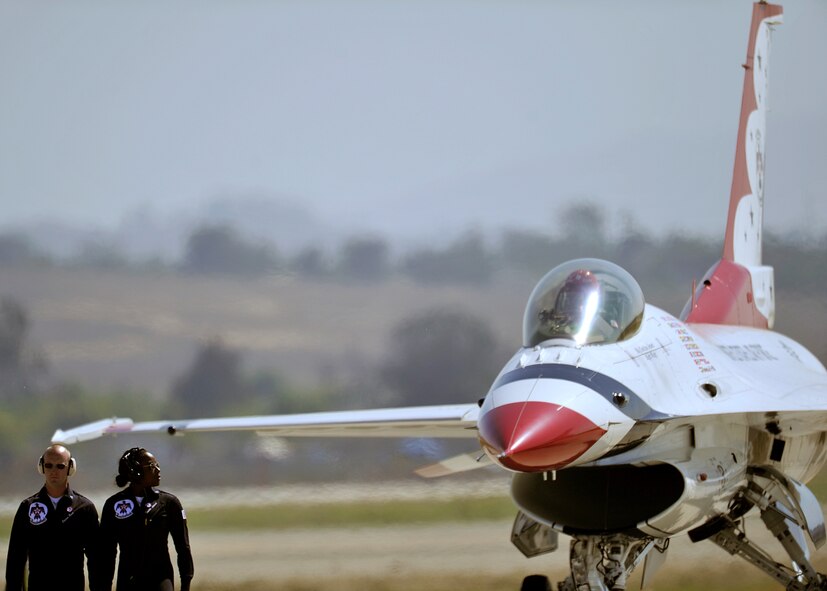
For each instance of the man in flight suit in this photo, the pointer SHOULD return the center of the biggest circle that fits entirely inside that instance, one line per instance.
(52, 529)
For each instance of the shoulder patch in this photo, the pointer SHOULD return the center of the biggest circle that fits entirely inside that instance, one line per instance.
(37, 513)
(124, 508)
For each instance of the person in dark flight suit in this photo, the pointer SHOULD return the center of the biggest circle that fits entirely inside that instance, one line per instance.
(53, 530)
(139, 520)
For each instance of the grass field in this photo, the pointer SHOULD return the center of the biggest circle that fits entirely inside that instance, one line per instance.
(142, 329)
(281, 517)
(349, 514)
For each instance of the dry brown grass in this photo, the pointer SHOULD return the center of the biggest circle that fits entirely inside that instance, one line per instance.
(142, 329)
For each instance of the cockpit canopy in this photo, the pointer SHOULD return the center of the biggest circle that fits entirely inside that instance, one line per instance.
(588, 301)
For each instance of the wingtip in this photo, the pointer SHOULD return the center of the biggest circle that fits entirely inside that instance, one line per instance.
(60, 437)
(93, 430)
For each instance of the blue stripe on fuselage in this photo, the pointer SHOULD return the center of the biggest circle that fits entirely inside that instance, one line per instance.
(634, 408)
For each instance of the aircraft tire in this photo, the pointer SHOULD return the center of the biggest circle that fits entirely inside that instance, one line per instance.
(536, 583)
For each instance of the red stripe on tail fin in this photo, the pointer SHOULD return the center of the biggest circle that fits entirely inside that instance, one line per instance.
(739, 289)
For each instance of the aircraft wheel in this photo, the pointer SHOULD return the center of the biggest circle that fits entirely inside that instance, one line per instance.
(536, 583)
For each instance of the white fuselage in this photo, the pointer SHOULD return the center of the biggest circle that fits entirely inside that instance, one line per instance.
(709, 400)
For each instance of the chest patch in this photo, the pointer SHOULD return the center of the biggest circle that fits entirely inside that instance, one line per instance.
(37, 513)
(124, 508)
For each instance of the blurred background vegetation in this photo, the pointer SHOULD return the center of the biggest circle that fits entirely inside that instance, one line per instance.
(234, 326)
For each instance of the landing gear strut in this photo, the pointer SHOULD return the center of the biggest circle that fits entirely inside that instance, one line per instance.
(604, 563)
(789, 511)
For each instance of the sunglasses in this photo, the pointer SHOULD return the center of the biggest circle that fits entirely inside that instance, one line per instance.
(49, 466)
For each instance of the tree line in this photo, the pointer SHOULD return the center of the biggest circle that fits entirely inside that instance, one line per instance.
(470, 258)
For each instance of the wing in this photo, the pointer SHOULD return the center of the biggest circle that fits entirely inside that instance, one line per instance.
(443, 421)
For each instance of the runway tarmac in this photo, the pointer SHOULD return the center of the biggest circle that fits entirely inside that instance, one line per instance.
(374, 551)
(482, 547)
(327, 555)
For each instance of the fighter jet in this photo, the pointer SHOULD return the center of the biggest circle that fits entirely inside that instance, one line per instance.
(624, 426)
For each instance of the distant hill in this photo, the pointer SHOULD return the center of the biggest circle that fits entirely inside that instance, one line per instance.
(140, 330)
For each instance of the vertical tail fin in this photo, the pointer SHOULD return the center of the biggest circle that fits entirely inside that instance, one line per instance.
(739, 290)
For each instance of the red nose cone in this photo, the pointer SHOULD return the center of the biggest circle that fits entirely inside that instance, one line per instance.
(536, 436)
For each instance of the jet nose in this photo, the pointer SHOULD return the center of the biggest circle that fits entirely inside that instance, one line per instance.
(535, 436)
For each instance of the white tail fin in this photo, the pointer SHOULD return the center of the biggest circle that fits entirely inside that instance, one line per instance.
(746, 200)
(739, 289)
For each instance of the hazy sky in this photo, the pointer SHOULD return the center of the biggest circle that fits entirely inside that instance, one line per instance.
(403, 116)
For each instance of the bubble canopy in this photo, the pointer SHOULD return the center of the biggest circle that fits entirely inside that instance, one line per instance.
(587, 301)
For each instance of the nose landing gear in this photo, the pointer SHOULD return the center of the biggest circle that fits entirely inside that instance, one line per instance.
(602, 563)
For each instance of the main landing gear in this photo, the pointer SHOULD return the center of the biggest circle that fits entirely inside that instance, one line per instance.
(790, 512)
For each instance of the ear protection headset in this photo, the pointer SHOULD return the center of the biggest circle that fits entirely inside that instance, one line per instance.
(72, 465)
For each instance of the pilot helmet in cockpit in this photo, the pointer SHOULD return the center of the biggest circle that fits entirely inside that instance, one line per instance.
(588, 301)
